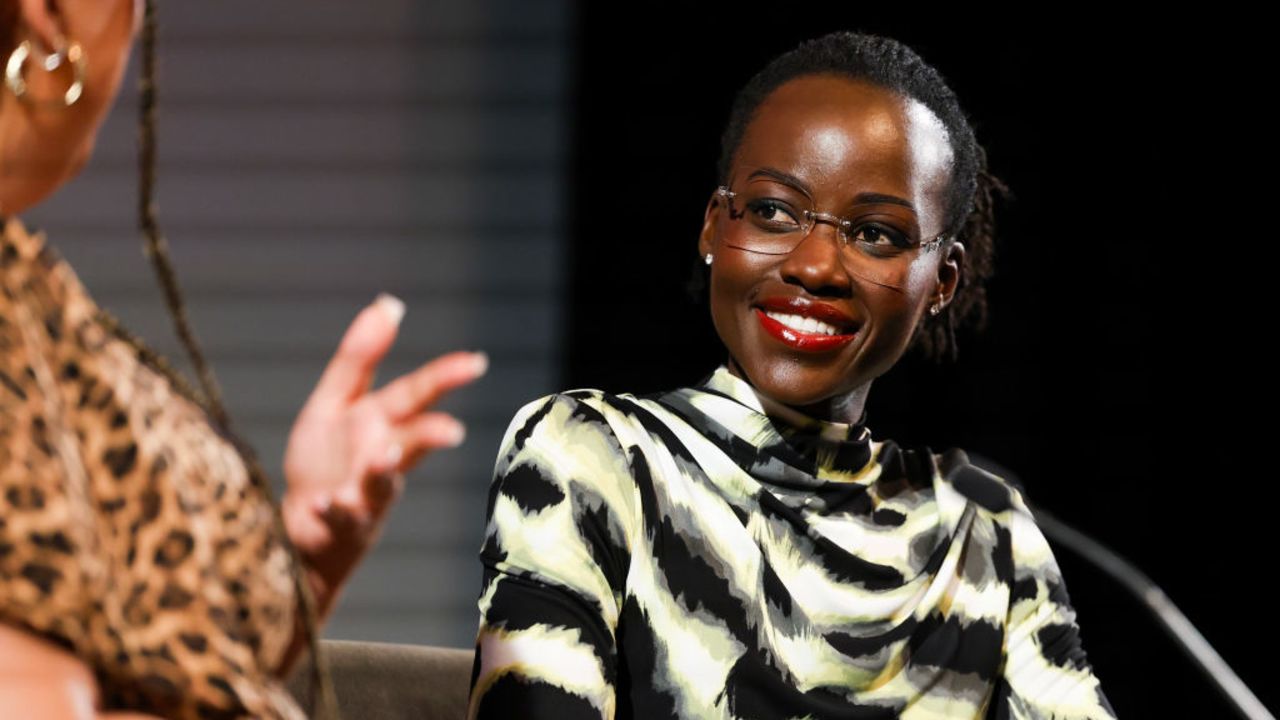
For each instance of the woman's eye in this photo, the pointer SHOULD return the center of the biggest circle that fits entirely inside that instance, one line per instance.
(881, 237)
(772, 212)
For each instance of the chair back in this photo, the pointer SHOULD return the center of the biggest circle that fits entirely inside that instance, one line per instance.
(382, 681)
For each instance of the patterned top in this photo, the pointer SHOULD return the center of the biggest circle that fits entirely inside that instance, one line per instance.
(130, 533)
(709, 553)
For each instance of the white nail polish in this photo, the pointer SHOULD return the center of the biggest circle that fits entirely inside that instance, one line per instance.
(456, 434)
(482, 362)
(394, 454)
(391, 305)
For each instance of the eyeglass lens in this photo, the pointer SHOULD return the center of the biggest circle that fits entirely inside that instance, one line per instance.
(765, 222)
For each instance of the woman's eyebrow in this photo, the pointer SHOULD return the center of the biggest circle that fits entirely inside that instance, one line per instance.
(870, 197)
(796, 183)
(783, 177)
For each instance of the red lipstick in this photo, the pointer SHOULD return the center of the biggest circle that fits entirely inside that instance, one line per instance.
(808, 308)
(803, 341)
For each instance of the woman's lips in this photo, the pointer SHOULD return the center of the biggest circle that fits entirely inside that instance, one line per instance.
(799, 340)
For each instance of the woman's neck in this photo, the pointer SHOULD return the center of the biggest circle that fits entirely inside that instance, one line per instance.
(846, 408)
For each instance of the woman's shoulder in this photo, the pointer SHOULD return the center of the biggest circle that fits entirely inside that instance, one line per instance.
(28, 261)
(567, 415)
(992, 489)
(19, 243)
(581, 440)
(39, 287)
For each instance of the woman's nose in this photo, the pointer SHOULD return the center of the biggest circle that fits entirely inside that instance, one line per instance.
(816, 264)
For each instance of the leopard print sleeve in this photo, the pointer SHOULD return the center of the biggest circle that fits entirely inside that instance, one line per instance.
(49, 553)
(130, 530)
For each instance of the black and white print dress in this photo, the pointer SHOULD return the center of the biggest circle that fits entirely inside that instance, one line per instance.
(710, 553)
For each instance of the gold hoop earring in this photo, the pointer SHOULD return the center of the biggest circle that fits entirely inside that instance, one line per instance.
(67, 52)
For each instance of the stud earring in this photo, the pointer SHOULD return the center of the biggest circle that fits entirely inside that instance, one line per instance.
(935, 308)
(708, 258)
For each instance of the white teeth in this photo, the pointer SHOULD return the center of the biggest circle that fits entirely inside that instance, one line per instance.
(804, 324)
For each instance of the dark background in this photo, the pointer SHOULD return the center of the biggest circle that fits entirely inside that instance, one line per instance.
(1121, 378)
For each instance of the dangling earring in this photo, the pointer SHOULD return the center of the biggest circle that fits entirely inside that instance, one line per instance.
(65, 52)
(935, 308)
(708, 258)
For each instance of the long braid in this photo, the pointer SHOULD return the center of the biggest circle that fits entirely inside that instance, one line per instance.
(210, 400)
(156, 248)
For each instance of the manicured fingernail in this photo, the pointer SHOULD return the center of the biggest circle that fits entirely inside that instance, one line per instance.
(391, 305)
(481, 362)
(393, 456)
(456, 433)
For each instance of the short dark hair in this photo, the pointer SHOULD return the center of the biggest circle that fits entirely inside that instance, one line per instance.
(969, 217)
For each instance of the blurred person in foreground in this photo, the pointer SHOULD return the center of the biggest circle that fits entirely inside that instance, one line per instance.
(145, 569)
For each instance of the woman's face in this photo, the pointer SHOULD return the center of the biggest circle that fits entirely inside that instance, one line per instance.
(823, 141)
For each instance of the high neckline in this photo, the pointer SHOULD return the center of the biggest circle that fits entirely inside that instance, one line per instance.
(789, 421)
(775, 443)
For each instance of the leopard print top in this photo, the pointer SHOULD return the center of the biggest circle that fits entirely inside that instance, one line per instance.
(130, 532)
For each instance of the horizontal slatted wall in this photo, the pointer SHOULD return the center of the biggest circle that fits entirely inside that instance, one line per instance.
(314, 153)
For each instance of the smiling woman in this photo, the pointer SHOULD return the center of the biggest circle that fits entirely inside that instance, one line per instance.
(882, 162)
(743, 547)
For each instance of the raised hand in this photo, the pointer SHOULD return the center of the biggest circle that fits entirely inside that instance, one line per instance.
(350, 445)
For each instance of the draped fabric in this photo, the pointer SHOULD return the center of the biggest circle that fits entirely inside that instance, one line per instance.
(710, 553)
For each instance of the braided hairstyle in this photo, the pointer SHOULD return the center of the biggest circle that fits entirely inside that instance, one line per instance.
(209, 397)
(970, 198)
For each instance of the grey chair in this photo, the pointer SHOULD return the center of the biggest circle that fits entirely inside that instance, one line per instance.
(381, 681)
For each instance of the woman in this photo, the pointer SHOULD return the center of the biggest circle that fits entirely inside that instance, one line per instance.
(143, 565)
(743, 548)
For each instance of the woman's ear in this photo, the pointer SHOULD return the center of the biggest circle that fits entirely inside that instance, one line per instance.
(43, 20)
(949, 270)
(706, 239)
(93, 23)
